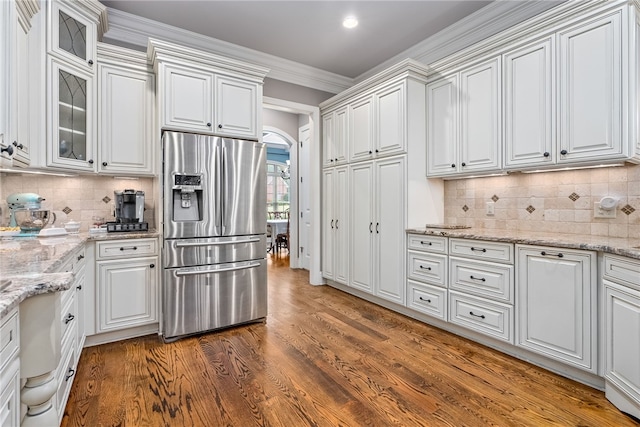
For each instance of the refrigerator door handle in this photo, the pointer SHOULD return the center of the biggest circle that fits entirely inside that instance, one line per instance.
(227, 242)
(217, 270)
(223, 202)
(219, 187)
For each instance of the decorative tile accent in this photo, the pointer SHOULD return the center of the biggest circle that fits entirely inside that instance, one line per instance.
(465, 208)
(628, 209)
(106, 199)
(574, 196)
(67, 210)
(530, 209)
(495, 198)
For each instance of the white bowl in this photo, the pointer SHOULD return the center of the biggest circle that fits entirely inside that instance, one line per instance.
(72, 227)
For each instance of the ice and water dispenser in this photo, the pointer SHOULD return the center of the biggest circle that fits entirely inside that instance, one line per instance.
(187, 197)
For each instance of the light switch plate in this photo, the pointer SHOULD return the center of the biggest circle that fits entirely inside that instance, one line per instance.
(490, 208)
(598, 212)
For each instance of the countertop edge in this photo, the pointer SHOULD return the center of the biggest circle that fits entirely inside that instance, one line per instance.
(23, 287)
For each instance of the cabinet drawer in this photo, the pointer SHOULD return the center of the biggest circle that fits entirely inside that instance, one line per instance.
(68, 316)
(9, 338)
(483, 279)
(626, 270)
(482, 249)
(10, 395)
(64, 375)
(427, 299)
(429, 268)
(420, 242)
(127, 248)
(484, 316)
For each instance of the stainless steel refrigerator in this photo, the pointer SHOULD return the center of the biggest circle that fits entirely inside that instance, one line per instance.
(214, 227)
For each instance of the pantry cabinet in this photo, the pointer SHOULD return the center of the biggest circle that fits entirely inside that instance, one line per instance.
(126, 125)
(335, 250)
(204, 93)
(335, 126)
(556, 309)
(465, 110)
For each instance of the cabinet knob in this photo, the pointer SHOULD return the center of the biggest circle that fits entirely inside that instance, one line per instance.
(80, 257)
(453, 165)
(370, 152)
(19, 146)
(563, 152)
(463, 164)
(219, 126)
(152, 265)
(546, 154)
(90, 161)
(79, 287)
(377, 151)
(331, 160)
(209, 124)
(70, 373)
(90, 62)
(104, 163)
(9, 150)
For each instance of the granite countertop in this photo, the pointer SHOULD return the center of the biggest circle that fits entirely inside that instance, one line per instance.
(32, 264)
(612, 245)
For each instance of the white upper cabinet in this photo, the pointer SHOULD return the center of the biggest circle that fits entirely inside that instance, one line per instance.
(205, 93)
(529, 98)
(464, 121)
(335, 126)
(73, 31)
(591, 90)
(236, 111)
(187, 99)
(361, 130)
(126, 126)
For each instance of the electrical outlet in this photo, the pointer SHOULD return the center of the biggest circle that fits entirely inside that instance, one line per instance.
(490, 208)
(598, 212)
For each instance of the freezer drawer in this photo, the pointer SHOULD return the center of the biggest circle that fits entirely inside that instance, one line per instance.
(213, 250)
(198, 299)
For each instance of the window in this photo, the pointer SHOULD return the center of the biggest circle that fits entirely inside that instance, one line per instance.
(277, 187)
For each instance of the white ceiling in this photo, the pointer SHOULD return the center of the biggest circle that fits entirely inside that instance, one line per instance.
(310, 32)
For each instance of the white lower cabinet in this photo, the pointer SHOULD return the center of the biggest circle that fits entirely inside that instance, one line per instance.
(481, 315)
(335, 250)
(127, 282)
(556, 305)
(622, 339)
(10, 370)
(427, 273)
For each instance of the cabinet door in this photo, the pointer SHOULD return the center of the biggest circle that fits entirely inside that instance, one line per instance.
(480, 113)
(328, 121)
(529, 97)
(622, 341)
(361, 226)
(390, 121)
(237, 104)
(73, 36)
(127, 293)
(361, 129)
(126, 125)
(442, 126)
(591, 91)
(328, 224)
(20, 139)
(340, 136)
(341, 231)
(79, 290)
(188, 103)
(389, 230)
(71, 118)
(556, 304)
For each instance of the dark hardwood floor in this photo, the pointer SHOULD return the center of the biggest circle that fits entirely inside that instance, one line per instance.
(323, 358)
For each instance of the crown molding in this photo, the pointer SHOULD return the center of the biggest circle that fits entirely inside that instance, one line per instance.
(26, 10)
(135, 30)
(116, 55)
(486, 22)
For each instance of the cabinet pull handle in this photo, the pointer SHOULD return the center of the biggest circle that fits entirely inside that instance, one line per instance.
(482, 279)
(422, 299)
(79, 287)
(122, 248)
(477, 315)
(337, 224)
(426, 243)
(80, 257)
(370, 227)
(332, 224)
(377, 225)
(559, 254)
(478, 249)
(69, 318)
(18, 146)
(11, 335)
(8, 149)
(422, 267)
(71, 372)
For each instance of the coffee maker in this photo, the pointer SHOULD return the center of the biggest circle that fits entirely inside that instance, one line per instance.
(129, 211)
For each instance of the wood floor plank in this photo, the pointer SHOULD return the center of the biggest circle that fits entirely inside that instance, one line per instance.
(324, 358)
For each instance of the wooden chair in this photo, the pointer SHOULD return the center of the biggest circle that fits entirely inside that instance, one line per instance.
(269, 238)
(282, 239)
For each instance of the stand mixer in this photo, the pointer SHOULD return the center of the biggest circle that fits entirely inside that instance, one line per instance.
(25, 211)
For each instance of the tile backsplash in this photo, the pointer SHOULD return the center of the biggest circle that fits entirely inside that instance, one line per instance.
(561, 201)
(80, 198)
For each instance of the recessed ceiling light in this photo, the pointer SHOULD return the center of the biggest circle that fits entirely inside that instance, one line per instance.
(350, 22)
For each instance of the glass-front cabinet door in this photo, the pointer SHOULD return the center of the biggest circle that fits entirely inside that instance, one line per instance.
(72, 125)
(72, 36)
